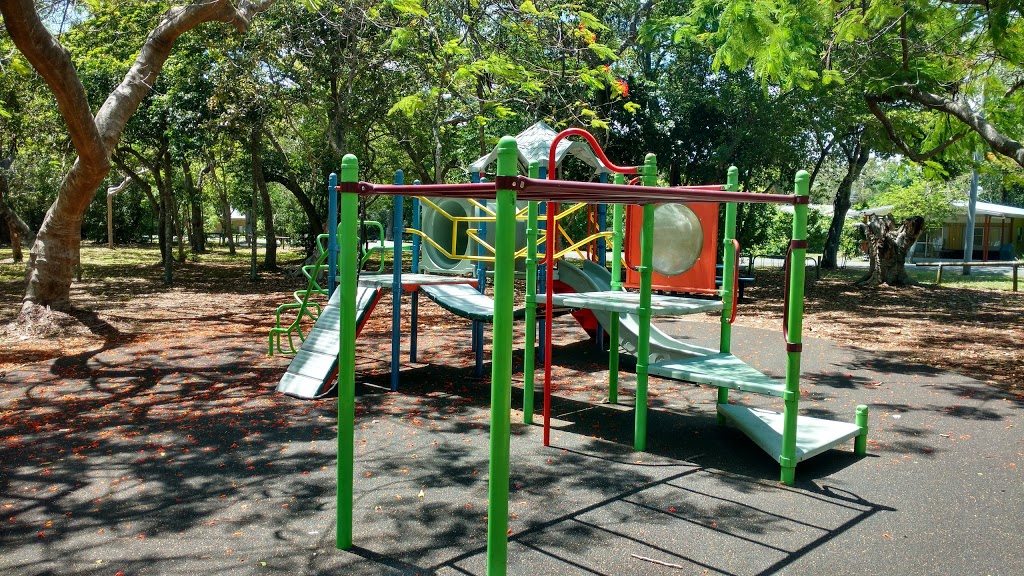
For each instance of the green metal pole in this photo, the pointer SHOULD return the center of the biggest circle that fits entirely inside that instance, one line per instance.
(643, 352)
(613, 330)
(529, 346)
(860, 444)
(728, 271)
(795, 318)
(349, 246)
(501, 361)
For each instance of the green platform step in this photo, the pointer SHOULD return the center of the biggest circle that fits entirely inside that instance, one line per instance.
(764, 427)
(723, 370)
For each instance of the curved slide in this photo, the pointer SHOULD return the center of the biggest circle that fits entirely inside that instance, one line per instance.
(596, 278)
(312, 370)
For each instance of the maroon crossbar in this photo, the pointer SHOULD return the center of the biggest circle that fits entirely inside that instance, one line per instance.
(485, 190)
(589, 192)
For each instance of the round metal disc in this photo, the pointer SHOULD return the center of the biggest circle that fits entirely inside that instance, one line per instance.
(678, 239)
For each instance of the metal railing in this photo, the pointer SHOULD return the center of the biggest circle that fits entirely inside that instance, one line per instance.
(938, 276)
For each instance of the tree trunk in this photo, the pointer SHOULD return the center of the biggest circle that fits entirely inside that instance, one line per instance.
(251, 232)
(111, 192)
(887, 248)
(179, 229)
(194, 193)
(226, 227)
(256, 150)
(15, 225)
(167, 210)
(857, 158)
(55, 251)
(438, 152)
(16, 253)
(290, 181)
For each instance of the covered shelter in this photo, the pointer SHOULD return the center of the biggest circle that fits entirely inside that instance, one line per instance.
(534, 145)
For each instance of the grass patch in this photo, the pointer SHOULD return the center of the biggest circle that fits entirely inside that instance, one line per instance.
(951, 277)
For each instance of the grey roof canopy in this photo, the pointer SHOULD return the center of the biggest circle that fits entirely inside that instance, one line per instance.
(534, 144)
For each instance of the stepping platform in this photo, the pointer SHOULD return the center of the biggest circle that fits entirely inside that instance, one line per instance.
(724, 370)
(629, 303)
(412, 282)
(764, 427)
(466, 301)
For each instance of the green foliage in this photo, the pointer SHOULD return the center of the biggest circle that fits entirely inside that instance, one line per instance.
(911, 192)
(133, 217)
(929, 199)
(894, 51)
(779, 231)
(850, 240)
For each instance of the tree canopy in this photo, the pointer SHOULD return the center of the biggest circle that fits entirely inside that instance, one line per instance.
(202, 108)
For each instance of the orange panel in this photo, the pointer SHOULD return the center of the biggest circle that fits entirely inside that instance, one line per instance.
(698, 279)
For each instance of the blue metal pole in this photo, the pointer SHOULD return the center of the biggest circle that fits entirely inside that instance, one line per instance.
(474, 331)
(332, 232)
(415, 270)
(396, 288)
(481, 281)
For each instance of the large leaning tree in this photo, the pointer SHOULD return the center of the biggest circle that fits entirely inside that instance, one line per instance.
(55, 251)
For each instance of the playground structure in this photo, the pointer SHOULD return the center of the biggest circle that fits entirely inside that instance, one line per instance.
(785, 436)
(456, 236)
(310, 373)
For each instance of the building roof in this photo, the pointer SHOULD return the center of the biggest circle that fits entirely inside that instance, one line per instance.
(534, 145)
(878, 210)
(989, 209)
(824, 209)
(981, 209)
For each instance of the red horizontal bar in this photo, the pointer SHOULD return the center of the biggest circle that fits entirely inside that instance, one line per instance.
(589, 192)
(485, 190)
(562, 190)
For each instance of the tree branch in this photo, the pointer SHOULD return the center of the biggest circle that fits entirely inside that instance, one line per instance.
(960, 110)
(113, 115)
(8, 214)
(53, 63)
(1016, 86)
(982, 3)
(873, 101)
(136, 177)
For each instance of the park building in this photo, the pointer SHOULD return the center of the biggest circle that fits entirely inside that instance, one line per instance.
(998, 233)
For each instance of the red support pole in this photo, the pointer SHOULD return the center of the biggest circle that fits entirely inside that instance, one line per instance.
(550, 246)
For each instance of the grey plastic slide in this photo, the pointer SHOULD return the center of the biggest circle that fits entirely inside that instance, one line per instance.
(596, 278)
(314, 367)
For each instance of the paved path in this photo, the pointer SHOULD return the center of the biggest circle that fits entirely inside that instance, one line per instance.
(173, 458)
